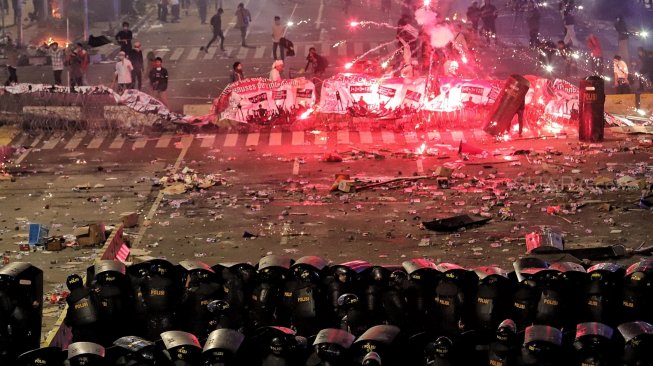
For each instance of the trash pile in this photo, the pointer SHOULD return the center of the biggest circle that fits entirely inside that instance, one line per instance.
(187, 180)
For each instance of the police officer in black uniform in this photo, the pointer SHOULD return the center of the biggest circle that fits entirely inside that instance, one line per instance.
(493, 296)
(376, 282)
(136, 351)
(638, 343)
(201, 287)
(303, 296)
(221, 348)
(267, 299)
(331, 348)
(181, 348)
(83, 311)
(637, 300)
(239, 281)
(379, 339)
(601, 294)
(109, 282)
(343, 279)
(161, 294)
(594, 345)
(419, 292)
(454, 299)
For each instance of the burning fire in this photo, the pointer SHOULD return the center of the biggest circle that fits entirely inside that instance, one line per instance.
(56, 9)
(50, 40)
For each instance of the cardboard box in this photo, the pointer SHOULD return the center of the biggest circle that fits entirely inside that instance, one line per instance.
(54, 245)
(345, 185)
(129, 219)
(90, 235)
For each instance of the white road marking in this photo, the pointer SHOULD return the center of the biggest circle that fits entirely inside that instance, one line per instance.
(163, 141)
(208, 141)
(458, 136)
(231, 139)
(21, 140)
(388, 137)
(252, 139)
(32, 145)
(51, 143)
(177, 54)
(117, 142)
(194, 52)
(260, 52)
(139, 143)
(275, 139)
(242, 53)
(434, 135)
(326, 49)
(186, 142)
(96, 141)
(295, 167)
(75, 141)
(366, 137)
(411, 137)
(284, 234)
(210, 53)
(298, 137)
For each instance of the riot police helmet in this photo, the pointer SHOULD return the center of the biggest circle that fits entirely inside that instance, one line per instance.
(440, 348)
(506, 332)
(74, 281)
(347, 300)
(379, 274)
(217, 306)
(278, 345)
(398, 277)
(371, 359)
(329, 352)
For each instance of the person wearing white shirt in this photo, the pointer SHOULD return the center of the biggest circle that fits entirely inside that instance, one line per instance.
(277, 69)
(621, 83)
(123, 74)
(278, 31)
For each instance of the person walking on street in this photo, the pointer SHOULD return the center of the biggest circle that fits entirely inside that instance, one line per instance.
(622, 35)
(489, 14)
(570, 29)
(216, 25)
(474, 15)
(278, 31)
(277, 69)
(57, 58)
(11, 51)
(124, 38)
(123, 73)
(533, 20)
(317, 62)
(621, 83)
(159, 81)
(596, 52)
(243, 18)
(136, 58)
(237, 72)
(174, 6)
(202, 8)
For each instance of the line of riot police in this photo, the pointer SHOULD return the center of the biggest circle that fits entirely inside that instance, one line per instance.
(306, 312)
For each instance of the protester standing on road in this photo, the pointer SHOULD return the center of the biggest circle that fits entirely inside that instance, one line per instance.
(570, 29)
(533, 21)
(202, 8)
(278, 31)
(11, 51)
(159, 81)
(163, 10)
(596, 52)
(123, 73)
(216, 25)
(78, 61)
(621, 83)
(136, 57)
(489, 14)
(124, 38)
(317, 62)
(622, 35)
(243, 18)
(57, 58)
(174, 7)
(277, 69)
(237, 72)
(474, 15)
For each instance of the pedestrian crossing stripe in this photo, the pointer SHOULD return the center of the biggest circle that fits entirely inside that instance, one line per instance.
(82, 140)
(262, 51)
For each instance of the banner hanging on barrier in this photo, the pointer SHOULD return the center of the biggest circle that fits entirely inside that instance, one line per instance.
(251, 99)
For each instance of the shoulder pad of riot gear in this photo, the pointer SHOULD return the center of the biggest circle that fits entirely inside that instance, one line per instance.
(385, 334)
(226, 339)
(46, 356)
(334, 336)
(176, 338)
(272, 260)
(85, 348)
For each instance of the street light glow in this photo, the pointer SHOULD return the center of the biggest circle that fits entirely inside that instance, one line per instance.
(348, 65)
(354, 24)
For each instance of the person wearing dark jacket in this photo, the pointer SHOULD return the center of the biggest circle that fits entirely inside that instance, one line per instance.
(159, 81)
(237, 72)
(136, 57)
(216, 25)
